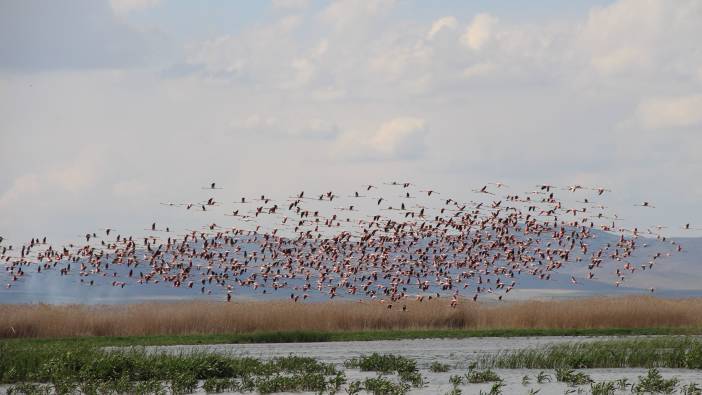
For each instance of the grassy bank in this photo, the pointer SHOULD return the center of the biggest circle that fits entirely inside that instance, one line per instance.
(85, 369)
(311, 320)
(312, 336)
(658, 352)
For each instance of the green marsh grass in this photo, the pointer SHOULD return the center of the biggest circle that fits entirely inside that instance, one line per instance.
(662, 352)
(382, 363)
(482, 376)
(654, 383)
(383, 386)
(438, 367)
(571, 377)
(496, 389)
(691, 389)
(603, 388)
(91, 370)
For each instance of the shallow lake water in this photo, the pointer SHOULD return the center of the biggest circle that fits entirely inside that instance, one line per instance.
(457, 353)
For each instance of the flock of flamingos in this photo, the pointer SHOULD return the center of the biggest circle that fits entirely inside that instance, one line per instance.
(408, 242)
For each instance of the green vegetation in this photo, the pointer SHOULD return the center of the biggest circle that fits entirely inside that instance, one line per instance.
(482, 376)
(91, 370)
(381, 386)
(664, 352)
(405, 368)
(571, 377)
(496, 389)
(313, 336)
(691, 389)
(43, 367)
(456, 380)
(654, 383)
(387, 363)
(603, 388)
(438, 367)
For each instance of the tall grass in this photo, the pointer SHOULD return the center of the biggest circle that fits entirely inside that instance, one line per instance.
(134, 370)
(198, 318)
(653, 352)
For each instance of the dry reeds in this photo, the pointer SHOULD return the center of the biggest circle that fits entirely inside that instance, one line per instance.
(191, 318)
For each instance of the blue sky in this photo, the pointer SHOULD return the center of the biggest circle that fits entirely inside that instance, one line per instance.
(108, 108)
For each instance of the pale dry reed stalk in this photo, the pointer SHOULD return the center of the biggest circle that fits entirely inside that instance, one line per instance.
(183, 318)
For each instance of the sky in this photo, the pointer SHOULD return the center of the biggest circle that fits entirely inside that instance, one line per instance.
(108, 108)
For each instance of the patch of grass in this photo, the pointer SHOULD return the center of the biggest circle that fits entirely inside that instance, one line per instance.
(339, 336)
(482, 376)
(654, 383)
(571, 377)
(91, 370)
(603, 388)
(456, 380)
(183, 383)
(383, 363)
(438, 367)
(217, 385)
(691, 389)
(383, 386)
(300, 382)
(405, 368)
(666, 351)
(496, 389)
(415, 379)
(29, 389)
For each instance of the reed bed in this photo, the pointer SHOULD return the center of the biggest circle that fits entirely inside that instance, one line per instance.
(210, 318)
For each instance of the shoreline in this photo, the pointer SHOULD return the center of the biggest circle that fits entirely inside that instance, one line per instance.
(344, 336)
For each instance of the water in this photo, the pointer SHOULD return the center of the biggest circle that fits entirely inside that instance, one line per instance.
(457, 353)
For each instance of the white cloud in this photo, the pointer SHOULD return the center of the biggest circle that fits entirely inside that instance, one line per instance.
(671, 112)
(479, 31)
(398, 138)
(71, 177)
(263, 54)
(122, 7)
(314, 128)
(445, 23)
(641, 35)
(534, 101)
(21, 187)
